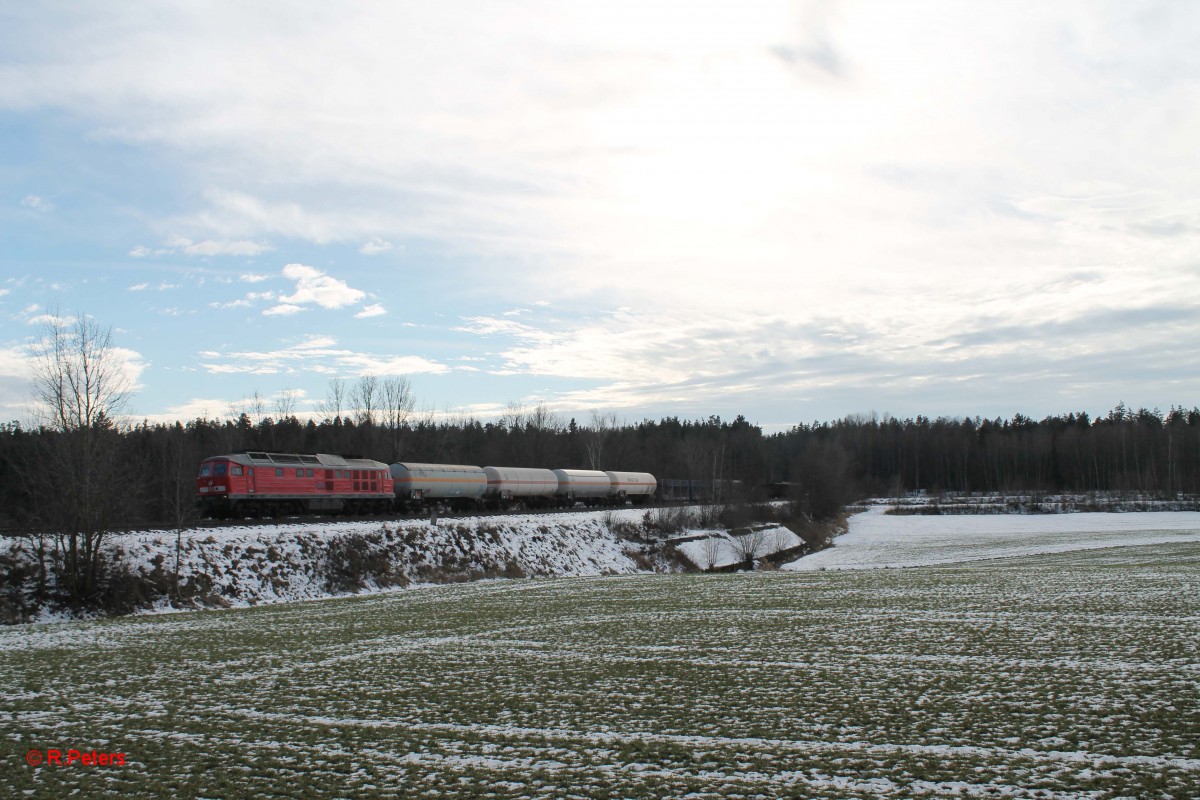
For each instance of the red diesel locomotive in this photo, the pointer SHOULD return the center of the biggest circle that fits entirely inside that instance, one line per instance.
(270, 484)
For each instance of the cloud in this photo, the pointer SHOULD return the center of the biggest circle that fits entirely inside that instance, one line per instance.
(15, 363)
(137, 287)
(209, 247)
(37, 203)
(317, 354)
(212, 247)
(45, 319)
(315, 287)
(373, 310)
(282, 310)
(878, 175)
(687, 362)
(375, 247)
(250, 277)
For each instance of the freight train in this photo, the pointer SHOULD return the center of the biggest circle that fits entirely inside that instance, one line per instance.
(273, 484)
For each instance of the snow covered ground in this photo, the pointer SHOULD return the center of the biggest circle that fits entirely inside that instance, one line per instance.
(877, 540)
(717, 549)
(1056, 677)
(305, 560)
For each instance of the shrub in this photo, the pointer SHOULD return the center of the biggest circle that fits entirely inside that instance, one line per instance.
(668, 520)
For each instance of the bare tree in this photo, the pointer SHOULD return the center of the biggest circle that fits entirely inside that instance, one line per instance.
(543, 419)
(398, 404)
(178, 470)
(598, 434)
(710, 551)
(749, 546)
(365, 397)
(514, 416)
(80, 386)
(285, 404)
(541, 427)
(335, 400)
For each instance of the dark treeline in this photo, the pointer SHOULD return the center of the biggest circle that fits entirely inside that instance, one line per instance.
(147, 471)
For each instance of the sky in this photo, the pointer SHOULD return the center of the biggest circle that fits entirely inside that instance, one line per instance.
(792, 211)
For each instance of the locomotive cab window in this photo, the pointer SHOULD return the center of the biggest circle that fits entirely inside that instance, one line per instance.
(205, 470)
(236, 471)
(219, 469)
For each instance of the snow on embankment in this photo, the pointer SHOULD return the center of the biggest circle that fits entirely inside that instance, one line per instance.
(235, 565)
(877, 540)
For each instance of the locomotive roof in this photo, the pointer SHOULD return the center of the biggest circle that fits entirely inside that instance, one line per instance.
(300, 459)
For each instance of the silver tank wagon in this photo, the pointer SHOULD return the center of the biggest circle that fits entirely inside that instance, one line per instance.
(632, 484)
(509, 482)
(582, 483)
(437, 481)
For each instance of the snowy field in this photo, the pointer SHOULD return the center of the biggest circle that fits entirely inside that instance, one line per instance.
(878, 540)
(1069, 675)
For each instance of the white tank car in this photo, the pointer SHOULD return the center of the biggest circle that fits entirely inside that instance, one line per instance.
(632, 484)
(578, 483)
(507, 482)
(435, 481)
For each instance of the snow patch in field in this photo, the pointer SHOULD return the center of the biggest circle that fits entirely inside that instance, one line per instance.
(717, 549)
(878, 540)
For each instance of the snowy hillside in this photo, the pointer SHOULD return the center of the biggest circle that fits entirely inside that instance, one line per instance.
(238, 565)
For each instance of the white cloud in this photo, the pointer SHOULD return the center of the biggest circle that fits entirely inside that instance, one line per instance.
(37, 203)
(3, 292)
(44, 319)
(319, 354)
(212, 247)
(366, 364)
(15, 362)
(282, 310)
(250, 277)
(209, 247)
(314, 286)
(137, 287)
(374, 310)
(375, 247)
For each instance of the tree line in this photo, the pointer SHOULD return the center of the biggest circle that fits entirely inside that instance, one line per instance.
(103, 473)
(81, 470)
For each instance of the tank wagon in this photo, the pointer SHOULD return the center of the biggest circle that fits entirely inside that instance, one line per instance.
(586, 485)
(632, 485)
(256, 484)
(460, 485)
(529, 485)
